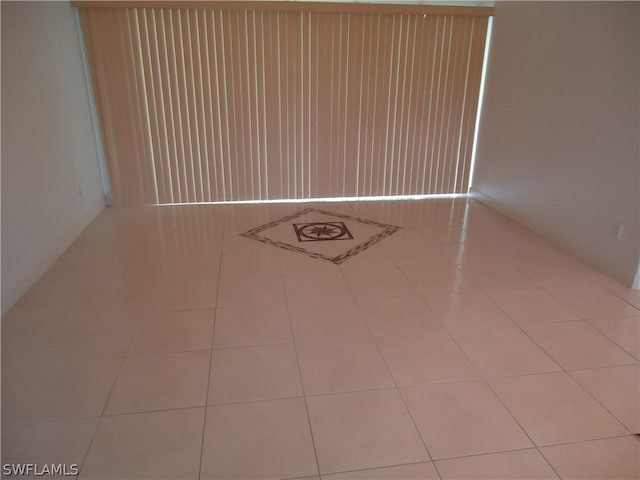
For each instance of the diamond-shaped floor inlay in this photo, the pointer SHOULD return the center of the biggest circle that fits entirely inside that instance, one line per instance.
(322, 231)
(321, 234)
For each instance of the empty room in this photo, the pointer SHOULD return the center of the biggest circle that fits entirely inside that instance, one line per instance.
(320, 240)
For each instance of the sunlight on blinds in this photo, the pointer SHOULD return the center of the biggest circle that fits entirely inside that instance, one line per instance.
(207, 104)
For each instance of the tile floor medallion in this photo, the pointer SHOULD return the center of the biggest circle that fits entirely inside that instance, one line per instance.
(322, 231)
(321, 234)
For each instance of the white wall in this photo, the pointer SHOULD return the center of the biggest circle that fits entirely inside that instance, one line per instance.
(51, 187)
(558, 147)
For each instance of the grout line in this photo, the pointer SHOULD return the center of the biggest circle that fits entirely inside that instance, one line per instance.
(484, 379)
(255, 400)
(567, 371)
(376, 468)
(473, 455)
(182, 310)
(636, 319)
(145, 412)
(250, 345)
(604, 367)
(168, 353)
(482, 291)
(490, 387)
(534, 448)
(485, 382)
(396, 387)
(609, 437)
(562, 370)
(295, 348)
(104, 408)
(605, 336)
(621, 297)
(213, 329)
(48, 420)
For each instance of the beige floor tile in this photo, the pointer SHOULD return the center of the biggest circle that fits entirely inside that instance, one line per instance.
(254, 373)
(342, 365)
(161, 382)
(618, 389)
(238, 289)
(387, 316)
(173, 332)
(179, 266)
(191, 294)
(383, 286)
(344, 208)
(496, 277)
(158, 445)
(503, 351)
(592, 301)
(624, 331)
(55, 289)
(13, 371)
(405, 253)
(553, 408)
(304, 289)
(22, 321)
(383, 280)
(52, 391)
(235, 244)
(304, 269)
(269, 439)
(362, 430)
(407, 245)
(81, 336)
(22, 340)
(411, 214)
(472, 252)
(449, 254)
(520, 464)
(614, 458)
(425, 357)
(467, 310)
(238, 326)
(373, 259)
(555, 269)
(577, 345)
(412, 471)
(317, 292)
(436, 233)
(531, 305)
(59, 442)
(327, 318)
(436, 280)
(123, 322)
(462, 418)
(628, 294)
(631, 296)
(263, 262)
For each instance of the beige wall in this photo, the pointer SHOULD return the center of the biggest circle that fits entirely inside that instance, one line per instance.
(558, 147)
(51, 186)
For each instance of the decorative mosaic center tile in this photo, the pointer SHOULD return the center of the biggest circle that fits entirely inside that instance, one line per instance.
(311, 231)
(321, 231)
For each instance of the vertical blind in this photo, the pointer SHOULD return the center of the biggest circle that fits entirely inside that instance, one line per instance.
(208, 102)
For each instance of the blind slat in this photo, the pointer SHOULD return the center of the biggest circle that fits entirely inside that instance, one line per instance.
(202, 105)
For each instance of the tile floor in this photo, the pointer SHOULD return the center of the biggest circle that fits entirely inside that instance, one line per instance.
(163, 344)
